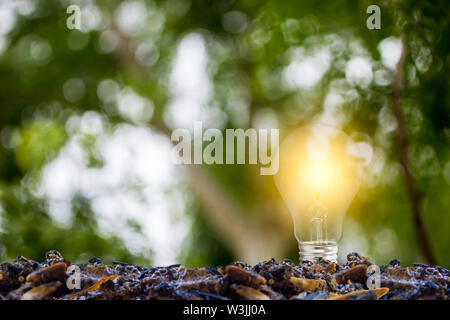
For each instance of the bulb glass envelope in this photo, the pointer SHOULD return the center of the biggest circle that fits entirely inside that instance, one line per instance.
(318, 178)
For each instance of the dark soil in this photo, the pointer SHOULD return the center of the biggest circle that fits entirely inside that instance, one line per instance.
(29, 280)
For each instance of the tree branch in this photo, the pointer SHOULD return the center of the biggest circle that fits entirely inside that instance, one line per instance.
(402, 140)
(249, 240)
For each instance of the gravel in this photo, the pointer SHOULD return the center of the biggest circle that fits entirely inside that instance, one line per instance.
(57, 278)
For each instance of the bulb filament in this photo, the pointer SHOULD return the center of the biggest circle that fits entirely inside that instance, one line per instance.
(319, 215)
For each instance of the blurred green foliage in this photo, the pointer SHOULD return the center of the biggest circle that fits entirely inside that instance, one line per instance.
(39, 54)
(31, 154)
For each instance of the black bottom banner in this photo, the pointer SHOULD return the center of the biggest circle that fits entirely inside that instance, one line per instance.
(220, 309)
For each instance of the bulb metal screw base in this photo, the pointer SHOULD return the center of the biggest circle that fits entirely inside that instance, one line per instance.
(313, 250)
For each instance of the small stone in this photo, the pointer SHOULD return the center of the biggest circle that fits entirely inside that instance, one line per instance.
(41, 292)
(395, 263)
(53, 256)
(239, 275)
(331, 267)
(331, 281)
(355, 274)
(249, 293)
(309, 285)
(95, 260)
(56, 271)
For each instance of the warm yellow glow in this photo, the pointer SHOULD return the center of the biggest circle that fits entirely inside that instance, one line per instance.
(319, 174)
(317, 163)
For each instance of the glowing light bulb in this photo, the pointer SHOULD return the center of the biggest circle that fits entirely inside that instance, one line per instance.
(318, 178)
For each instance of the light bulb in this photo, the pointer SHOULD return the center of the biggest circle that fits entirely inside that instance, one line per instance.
(318, 178)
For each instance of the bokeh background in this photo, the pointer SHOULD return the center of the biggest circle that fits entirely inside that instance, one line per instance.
(86, 116)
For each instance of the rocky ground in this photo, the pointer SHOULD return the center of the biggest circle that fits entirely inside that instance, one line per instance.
(26, 279)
